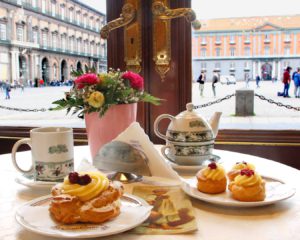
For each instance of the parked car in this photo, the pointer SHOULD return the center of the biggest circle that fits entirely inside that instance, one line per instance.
(227, 79)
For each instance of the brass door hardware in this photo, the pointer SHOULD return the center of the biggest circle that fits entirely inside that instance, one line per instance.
(162, 32)
(130, 19)
(126, 17)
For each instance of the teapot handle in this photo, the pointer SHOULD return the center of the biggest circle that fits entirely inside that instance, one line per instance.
(157, 121)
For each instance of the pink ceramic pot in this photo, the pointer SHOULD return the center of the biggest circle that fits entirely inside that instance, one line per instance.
(102, 130)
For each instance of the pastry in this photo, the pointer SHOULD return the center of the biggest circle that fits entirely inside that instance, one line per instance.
(212, 179)
(87, 197)
(248, 186)
(237, 168)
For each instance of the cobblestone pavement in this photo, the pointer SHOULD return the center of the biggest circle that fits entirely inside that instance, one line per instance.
(267, 116)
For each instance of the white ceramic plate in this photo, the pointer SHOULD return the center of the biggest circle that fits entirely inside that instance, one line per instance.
(35, 217)
(276, 191)
(28, 182)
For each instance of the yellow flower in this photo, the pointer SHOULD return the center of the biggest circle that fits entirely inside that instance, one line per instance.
(96, 99)
(101, 76)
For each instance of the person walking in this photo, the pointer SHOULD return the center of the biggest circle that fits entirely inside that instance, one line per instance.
(257, 79)
(286, 81)
(214, 81)
(7, 90)
(295, 80)
(201, 81)
(297, 83)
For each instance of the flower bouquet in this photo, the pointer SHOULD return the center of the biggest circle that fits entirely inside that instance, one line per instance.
(107, 102)
(94, 92)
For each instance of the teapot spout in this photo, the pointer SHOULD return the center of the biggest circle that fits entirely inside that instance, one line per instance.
(214, 122)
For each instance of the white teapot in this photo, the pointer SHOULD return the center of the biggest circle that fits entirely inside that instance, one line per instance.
(189, 137)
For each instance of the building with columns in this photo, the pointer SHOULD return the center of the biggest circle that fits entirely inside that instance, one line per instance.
(48, 39)
(248, 46)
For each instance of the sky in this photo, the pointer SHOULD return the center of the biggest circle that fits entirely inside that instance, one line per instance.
(206, 9)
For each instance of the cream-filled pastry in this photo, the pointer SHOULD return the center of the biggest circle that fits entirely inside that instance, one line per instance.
(238, 167)
(248, 186)
(212, 179)
(86, 197)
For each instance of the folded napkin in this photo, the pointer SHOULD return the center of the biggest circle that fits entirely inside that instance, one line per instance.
(135, 136)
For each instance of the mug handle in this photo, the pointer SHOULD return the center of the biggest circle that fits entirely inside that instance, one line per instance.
(163, 152)
(156, 123)
(14, 151)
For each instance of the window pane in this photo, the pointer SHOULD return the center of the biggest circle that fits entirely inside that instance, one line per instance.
(38, 45)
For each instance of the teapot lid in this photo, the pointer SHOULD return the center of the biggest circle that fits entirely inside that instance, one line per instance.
(189, 113)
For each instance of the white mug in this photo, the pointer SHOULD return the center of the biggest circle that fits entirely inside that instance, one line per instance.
(52, 153)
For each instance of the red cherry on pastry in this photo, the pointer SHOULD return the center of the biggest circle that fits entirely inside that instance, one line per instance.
(73, 177)
(84, 180)
(247, 172)
(212, 165)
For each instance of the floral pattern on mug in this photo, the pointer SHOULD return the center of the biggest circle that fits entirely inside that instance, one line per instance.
(60, 148)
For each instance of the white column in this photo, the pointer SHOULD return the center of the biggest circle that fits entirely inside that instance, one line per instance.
(259, 69)
(254, 70)
(273, 69)
(279, 71)
(13, 66)
(15, 69)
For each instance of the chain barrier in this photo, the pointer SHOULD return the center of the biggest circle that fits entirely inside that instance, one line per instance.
(215, 102)
(23, 109)
(279, 104)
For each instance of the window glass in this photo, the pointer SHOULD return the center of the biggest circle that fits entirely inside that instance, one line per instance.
(203, 52)
(45, 39)
(54, 41)
(262, 40)
(63, 13)
(3, 31)
(34, 3)
(20, 33)
(53, 9)
(71, 15)
(35, 36)
(43, 6)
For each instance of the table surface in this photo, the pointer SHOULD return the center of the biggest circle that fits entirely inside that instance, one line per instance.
(280, 221)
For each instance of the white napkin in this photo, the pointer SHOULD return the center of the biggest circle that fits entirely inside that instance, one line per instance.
(135, 136)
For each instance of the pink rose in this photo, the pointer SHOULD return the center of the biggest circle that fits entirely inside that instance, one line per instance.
(86, 79)
(136, 81)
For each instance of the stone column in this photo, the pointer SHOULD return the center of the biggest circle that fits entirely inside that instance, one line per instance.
(254, 70)
(13, 25)
(273, 69)
(13, 66)
(279, 71)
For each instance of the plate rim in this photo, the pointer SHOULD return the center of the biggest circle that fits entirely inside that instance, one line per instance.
(234, 203)
(82, 234)
(33, 184)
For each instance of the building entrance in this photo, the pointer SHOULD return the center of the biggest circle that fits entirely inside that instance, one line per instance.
(22, 69)
(45, 70)
(63, 71)
(266, 71)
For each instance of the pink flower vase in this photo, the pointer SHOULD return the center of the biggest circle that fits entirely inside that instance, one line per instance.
(101, 130)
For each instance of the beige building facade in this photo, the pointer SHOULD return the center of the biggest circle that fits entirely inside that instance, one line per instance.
(48, 39)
